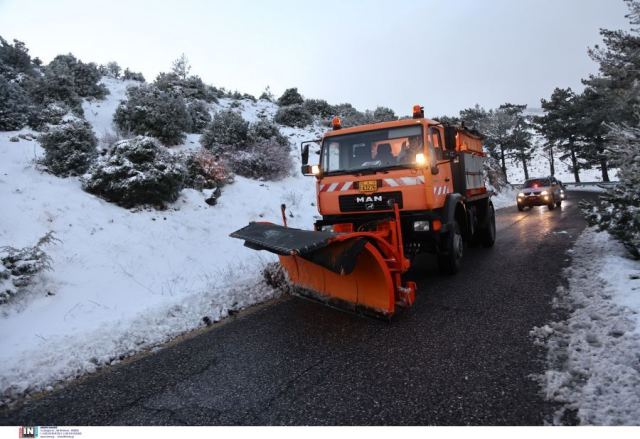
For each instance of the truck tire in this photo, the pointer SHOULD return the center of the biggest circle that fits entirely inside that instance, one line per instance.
(559, 203)
(520, 207)
(449, 260)
(552, 204)
(487, 234)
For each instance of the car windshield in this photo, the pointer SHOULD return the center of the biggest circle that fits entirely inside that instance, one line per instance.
(376, 149)
(537, 182)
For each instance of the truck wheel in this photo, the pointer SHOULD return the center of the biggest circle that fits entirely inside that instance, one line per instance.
(559, 203)
(551, 205)
(450, 258)
(520, 207)
(487, 235)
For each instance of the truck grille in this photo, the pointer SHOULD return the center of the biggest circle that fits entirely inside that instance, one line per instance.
(370, 202)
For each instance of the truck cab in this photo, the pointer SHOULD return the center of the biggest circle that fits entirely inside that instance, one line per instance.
(431, 171)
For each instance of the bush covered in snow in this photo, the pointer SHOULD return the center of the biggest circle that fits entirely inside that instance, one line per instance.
(69, 149)
(264, 129)
(15, 61)
(267, 95)
(84, 77)
(14, 106)
(18, 266)
(112, 69)
(132, 76)
(293, 116)
(227, 129)
(383, 114)
(265, 160)
(43, 116)
(190, 87)
(349, 115)
(198, 115)
(291, 96)
(619, 209)
(136, 172)
(240, 96)
(150, 111)
(204, 170)
(255, 150)
(319, 107)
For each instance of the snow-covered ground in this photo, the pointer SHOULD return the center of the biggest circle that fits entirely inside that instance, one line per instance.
(594, 355)
(122, 281)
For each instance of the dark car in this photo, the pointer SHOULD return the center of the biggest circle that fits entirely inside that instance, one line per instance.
(547, 191)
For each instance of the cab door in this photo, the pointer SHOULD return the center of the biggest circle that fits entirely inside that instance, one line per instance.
(439, 168)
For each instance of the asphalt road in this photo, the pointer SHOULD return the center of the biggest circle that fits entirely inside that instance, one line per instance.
(461, 356)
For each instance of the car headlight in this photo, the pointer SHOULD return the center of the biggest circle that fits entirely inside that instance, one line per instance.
(544, 193)
(520, 195)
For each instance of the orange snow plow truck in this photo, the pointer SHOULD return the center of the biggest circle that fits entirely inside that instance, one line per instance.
(386, 192)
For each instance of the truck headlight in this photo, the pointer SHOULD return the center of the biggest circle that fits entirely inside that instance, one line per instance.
(544, 193)
(421, 226)
(420, 159)
(521, 195)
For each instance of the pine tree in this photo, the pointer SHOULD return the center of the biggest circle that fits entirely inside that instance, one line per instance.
(594, 108)
(518, 141)
(617, 91)
(181, 67)
(561, 126)
(497, 130)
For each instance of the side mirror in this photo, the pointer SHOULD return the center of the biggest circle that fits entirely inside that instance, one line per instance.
(305, 154)
(434, 169)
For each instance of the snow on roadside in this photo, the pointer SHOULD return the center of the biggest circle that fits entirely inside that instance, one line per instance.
(505, 198)
(585, 188)
(594, 355)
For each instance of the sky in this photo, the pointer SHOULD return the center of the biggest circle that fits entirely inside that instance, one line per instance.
(445, 55)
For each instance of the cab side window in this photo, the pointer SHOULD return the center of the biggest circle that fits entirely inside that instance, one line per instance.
(436, 141)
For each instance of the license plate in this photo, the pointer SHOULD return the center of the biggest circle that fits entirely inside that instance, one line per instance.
(368, 186)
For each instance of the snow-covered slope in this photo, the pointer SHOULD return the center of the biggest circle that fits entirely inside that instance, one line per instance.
(121, 280)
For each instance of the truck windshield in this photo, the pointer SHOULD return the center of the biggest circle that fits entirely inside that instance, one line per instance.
(372, 150)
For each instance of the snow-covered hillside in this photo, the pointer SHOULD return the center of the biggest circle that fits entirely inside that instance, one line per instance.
(122, 281)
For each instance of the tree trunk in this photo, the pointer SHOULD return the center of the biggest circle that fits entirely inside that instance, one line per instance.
(552, 165)
(605, 169)
(574, 163)
(503, 164)
(524, 167)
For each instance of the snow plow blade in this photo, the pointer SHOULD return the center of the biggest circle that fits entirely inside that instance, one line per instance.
(345, 270)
